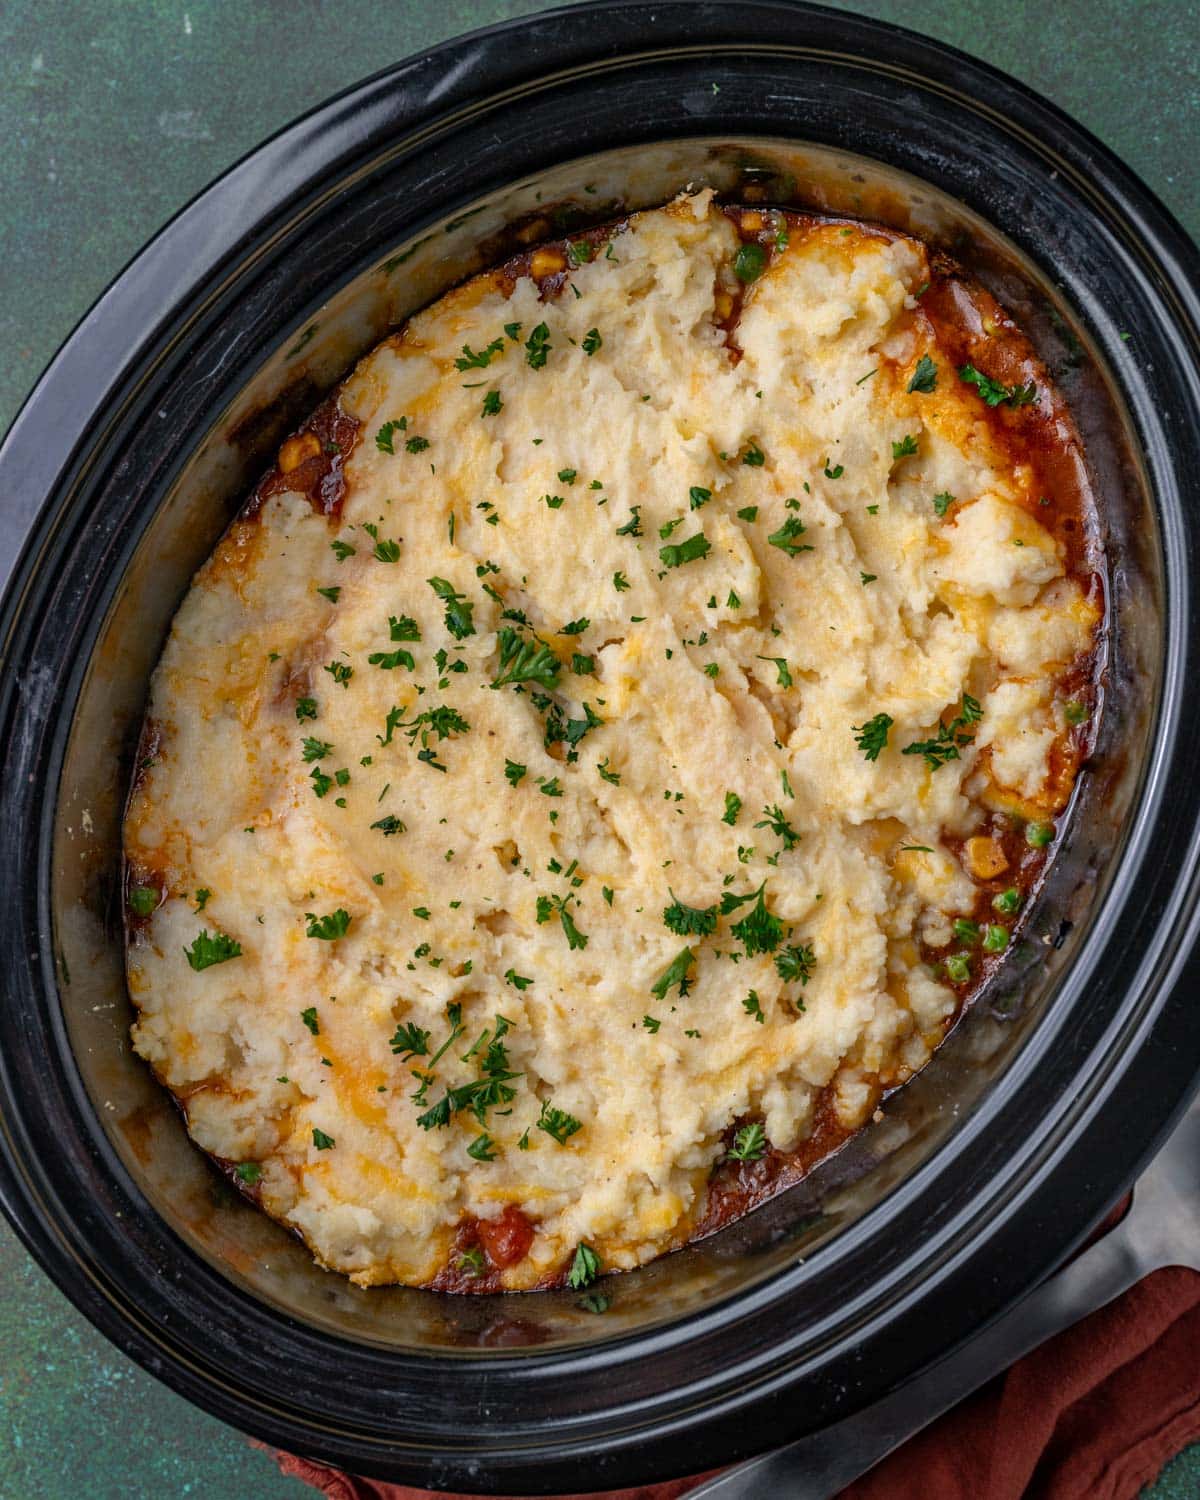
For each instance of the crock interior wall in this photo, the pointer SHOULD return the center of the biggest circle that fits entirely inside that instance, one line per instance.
(200, 493)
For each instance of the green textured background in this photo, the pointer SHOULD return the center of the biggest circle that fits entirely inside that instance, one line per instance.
(113, 113)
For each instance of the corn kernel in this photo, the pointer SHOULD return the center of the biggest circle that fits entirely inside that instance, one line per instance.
(297, 449)
(546, 263)
(985, 858)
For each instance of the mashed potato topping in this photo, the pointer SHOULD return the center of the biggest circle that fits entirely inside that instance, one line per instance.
(630, 770)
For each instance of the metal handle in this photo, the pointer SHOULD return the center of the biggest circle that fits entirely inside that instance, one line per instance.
(1162, 1228)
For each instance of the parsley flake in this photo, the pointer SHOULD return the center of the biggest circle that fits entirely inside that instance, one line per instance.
(924, 377)
(333, 925)
(749, 1143)
(678, 553)
(211, 948)
(872, 737)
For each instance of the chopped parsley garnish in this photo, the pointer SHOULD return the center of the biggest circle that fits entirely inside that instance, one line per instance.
(322, 783)
(690, 921)
(591, 341)
(333, 925)
(202, 898)
(322, 1141)
(582, 666)
(442, 722)
(754, 457)
(575, 627)
(994, 393)
(943, 502)
(492, 402)
(872, 737)
(786, 537)
(513, 772)
(340, 672)
(678, 553)
(389, 659)
(384, 550)
(867, 578)
(548, 905)
(749, 1143)
(796, 962)
(698, 496)
(524, 660)
(558, 1123)
(632, 527)
(537, 347)
(550, 788)
(410, 1040)
(607, 773)
(749, 263)
(753, 1007)
(733, 806)
(950, 738)
(553, 502)
(518, 981)
(774, 819)
(924, 377)
(479, 361)
(306, 708)
(309, 1017)
(675, 973)
(621, 583)
(748, 513)
(568, 731)
(342, 550)
(384, 438)
(483, 1148)
(759, 931)
(784, 679)
(584, 1268)
(905, 448)
(835, 473)
(651, 1023)
(332, 593)
(211, 948)
(389, 825)
(460, 620)
(416, 445)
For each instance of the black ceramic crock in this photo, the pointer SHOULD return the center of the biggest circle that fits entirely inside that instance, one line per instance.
(133, 451)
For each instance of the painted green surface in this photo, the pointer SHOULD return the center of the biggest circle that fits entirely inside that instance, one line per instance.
(113, 113)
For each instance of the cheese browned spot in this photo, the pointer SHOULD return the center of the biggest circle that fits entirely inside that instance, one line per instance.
(538, 736)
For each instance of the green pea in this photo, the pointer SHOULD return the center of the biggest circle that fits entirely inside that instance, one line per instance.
(966, 932)
(1007, 902)
(749, 263)
(995, 940)
(958, 967)
(1038, 835)
(143, 899)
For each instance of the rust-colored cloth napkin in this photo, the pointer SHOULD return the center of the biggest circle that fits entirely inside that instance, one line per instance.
(1091, 1415)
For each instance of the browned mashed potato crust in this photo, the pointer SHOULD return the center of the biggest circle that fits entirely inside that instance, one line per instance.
(611, 745)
